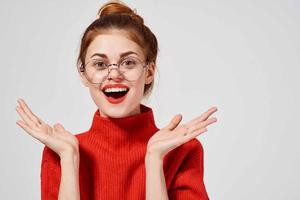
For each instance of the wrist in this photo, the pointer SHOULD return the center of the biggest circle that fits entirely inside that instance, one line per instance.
(153, 155)
(70, 156)
(153, 159)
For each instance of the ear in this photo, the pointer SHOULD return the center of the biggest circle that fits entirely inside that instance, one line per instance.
(150, 73)
(83, 78)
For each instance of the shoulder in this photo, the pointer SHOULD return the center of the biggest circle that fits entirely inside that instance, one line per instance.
(81, 136)
(194, 144)
(194, 153)
(190, 153)
(191, 147)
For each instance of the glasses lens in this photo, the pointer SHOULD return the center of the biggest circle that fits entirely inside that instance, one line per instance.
(96, 70)
(131, 68)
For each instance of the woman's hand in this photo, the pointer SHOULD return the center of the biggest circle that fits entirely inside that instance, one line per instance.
(172, 136)
(56, 138)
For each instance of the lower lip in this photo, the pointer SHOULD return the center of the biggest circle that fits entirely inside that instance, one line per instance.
(116, 101)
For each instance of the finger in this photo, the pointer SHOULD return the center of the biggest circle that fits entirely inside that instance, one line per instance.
(204, 116)
(204, 124)
(209, 112)
(58, 127)
(192, 135)
(25, 117)
(59, 131)
(187, 137)
(24, 126)
(30, 131)
(174, 122)
(28, 111)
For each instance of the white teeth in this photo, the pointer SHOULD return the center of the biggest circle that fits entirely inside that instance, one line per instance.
(115, 89)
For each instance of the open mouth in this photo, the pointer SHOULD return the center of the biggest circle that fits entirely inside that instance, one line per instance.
(115, 95)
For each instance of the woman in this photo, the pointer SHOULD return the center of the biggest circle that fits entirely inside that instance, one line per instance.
(123, 155)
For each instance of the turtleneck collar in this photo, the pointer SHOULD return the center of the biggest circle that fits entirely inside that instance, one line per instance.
(138, 127)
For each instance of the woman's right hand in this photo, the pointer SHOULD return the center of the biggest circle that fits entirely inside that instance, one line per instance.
(57, 138)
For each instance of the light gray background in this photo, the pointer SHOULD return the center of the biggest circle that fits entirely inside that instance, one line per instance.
(242, 56)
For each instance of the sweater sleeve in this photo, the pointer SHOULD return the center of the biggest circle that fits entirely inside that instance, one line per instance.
(188, 182)
(50, 174)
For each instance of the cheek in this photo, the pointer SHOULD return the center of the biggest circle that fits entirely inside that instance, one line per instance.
(139, 85)
(96, 95)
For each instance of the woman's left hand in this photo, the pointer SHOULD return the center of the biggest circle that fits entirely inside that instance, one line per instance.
(172, 136)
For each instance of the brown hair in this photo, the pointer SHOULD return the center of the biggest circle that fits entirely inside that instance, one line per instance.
(117, 15)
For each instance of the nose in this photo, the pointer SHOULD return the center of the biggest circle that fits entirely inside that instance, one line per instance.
(114, 73)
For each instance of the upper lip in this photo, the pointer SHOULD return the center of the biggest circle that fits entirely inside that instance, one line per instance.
(118, 85)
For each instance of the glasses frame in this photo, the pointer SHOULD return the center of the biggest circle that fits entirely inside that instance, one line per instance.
(82, 67)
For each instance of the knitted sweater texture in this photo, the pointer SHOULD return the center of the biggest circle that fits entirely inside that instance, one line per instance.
(112, 162)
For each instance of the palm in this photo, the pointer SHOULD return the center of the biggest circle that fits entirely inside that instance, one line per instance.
(163, 141)
(57, 138)
(174, 135)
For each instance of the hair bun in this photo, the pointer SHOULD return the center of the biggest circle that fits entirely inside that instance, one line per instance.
(118, 7)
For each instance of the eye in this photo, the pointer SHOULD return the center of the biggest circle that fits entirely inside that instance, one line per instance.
(99, 64)
(129, 62)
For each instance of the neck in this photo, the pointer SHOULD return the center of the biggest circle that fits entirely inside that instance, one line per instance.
(136, 111)
(119, 131)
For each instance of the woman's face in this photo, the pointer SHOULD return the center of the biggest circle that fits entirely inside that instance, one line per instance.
(113, 44)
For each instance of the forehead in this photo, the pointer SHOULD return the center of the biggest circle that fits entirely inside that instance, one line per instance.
(113, 44)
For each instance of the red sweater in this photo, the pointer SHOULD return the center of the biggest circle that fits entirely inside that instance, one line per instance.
(112, 162)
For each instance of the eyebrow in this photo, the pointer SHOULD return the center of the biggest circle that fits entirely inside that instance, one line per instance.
(121, 55)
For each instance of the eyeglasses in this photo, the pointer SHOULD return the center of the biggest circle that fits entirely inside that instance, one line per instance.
(97, 70)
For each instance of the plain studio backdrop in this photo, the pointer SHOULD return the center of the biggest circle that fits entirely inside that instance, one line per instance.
(241, 56)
